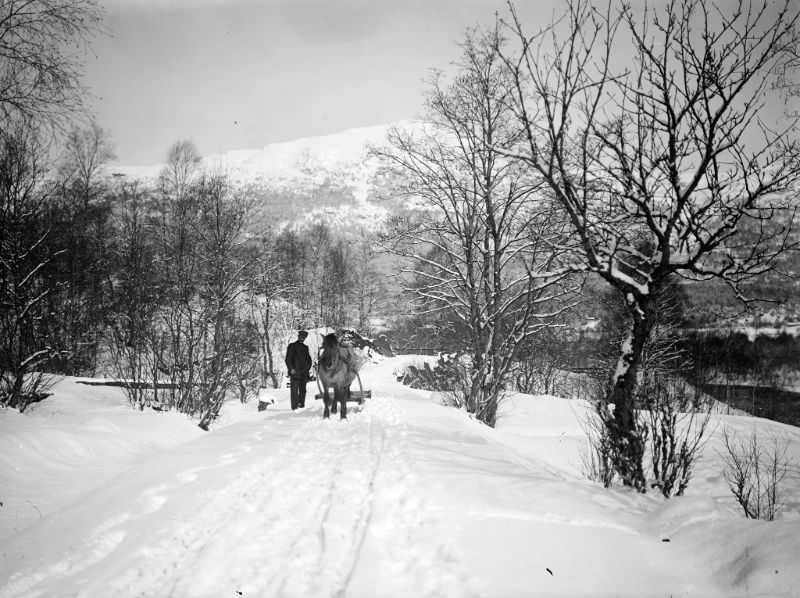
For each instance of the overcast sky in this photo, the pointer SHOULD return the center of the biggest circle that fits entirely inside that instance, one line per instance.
(239, 74)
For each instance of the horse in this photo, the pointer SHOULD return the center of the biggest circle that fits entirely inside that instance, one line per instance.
(335, 369)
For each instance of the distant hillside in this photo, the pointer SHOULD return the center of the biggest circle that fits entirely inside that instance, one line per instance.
(330, 178)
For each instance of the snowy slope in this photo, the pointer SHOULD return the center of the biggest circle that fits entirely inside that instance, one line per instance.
(331, 177)
(405, 498)
(310, 161)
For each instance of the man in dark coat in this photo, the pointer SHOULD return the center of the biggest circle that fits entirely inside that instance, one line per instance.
(298, 364)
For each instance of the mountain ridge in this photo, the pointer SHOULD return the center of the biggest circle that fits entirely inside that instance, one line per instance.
(284, 161)
(331, 178)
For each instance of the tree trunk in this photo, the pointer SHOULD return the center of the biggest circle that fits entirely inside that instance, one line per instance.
(268, 348)
(626, 436)
(15, 400)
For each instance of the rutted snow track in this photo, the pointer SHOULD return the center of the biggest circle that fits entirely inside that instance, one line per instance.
(290, 525)
(298, 522)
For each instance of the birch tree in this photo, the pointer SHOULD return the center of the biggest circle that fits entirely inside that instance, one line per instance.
(135, 339)
(178, 269)
(223, 211)
(649, 129)
(480, 239)
(181, 169)
(86, 151)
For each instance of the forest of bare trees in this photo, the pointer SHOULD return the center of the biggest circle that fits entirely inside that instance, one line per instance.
(167, 285)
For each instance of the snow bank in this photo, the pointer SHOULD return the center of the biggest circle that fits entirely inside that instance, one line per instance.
(72, 442)
(405, 498)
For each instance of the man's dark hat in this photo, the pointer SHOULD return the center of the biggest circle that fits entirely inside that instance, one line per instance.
(302, 333)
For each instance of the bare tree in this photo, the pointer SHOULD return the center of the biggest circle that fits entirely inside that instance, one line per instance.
(335, 287)
(543, 363)
(86, 151)
(135, 342)
(295, 255)
(83, 228)
(25, 194)
(481, 245)
(665, 165)
(316, 258)
(270, 285)
(223, 212)
(40, 70)
(180, 316)
(366, 281)
(181, 169)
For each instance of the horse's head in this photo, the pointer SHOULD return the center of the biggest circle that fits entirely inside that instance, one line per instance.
(329, 340)
(330, 349)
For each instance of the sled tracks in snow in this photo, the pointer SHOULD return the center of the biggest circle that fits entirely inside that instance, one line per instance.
(297, 523)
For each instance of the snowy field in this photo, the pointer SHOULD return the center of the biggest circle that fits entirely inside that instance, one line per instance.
(406, 498)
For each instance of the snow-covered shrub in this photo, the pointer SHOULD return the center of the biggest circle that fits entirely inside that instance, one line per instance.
(596, 452)
(468, 389)
(20, 391)
(456, 372)
(754, 471)
(443, 377)
(452, 376)
(676, 419)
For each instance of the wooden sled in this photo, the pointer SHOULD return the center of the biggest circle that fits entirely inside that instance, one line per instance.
(357, 396)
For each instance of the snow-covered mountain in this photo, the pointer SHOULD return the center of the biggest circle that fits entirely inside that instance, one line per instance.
(331, 177)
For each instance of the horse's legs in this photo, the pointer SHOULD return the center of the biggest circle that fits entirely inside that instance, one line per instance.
(326, 398)
(343, 400)
(335, 400)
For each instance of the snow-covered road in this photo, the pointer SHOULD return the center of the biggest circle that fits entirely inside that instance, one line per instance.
(405, 498)
(274, 504)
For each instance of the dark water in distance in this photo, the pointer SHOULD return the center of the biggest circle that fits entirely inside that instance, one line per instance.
(762, 401)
